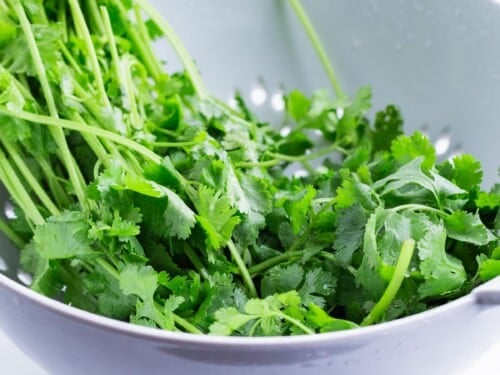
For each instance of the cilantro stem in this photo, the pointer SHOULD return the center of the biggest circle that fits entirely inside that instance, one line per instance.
(30, 178)
(271, 262)
(179, 48)
(186, 325)
(11, 235)
(418, 207)
(148, 57)
(82, 128)
(62, 19)
(115, 58)
(397, 279)
(58, 192)
(58, 134)
(261, 164)
(17, 190)
(296, 323)
(311, 156)
(247, 279)
(195, 259)
(81, 26)
(277, 158)
(176, 144)
(93, 9)
(318, 46)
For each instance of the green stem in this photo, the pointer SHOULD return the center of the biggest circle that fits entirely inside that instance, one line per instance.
(30, 179)
(247, 279)
(115, 57)
(147, 56)
(93, 9)
(318, 46)
(418, 207)
(259, 164)
(17, 190)
(392, 289)
(271, 262)
(59, 194)
(128, 86)
(188, 327)
(81, 25)
(196, 261)
(175, 144)
(73, 125)
(11, 235)
(278, 158)
(93, 142)
(62, 19)
(311, 156)
(178, 47)
(296, 323)
(57, 133)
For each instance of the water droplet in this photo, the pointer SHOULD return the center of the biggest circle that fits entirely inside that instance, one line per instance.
(398, 46)
(410, 37)
(428, 43)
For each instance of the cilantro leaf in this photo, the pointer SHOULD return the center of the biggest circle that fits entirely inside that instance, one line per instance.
(64, 237)
(216, 217)
(442, 273)
(467, 227)
(405, 149)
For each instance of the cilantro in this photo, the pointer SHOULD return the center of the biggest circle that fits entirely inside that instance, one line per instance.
(139, 196)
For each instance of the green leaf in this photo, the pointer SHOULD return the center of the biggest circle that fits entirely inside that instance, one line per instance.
(349, 232)
(64, 236)
(216, 216)
(319, 319)
(467, 171)
(489, 268)
(369, 273)
(248, 193)
(442, 273)
(296, 143)
(297, 105)
(228, 321)
(466, 227)
(318, 286)
(405, 149)
(298, 207)
(141, 281)
(282, 278)
(388, 126)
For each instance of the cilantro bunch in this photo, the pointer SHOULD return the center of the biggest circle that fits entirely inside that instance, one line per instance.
(139, 196)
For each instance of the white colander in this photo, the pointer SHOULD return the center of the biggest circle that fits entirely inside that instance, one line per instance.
(439, 61)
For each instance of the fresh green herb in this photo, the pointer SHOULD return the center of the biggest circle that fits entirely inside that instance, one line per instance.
(141, 197)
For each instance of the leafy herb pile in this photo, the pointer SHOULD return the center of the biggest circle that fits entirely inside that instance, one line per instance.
(141, 197)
